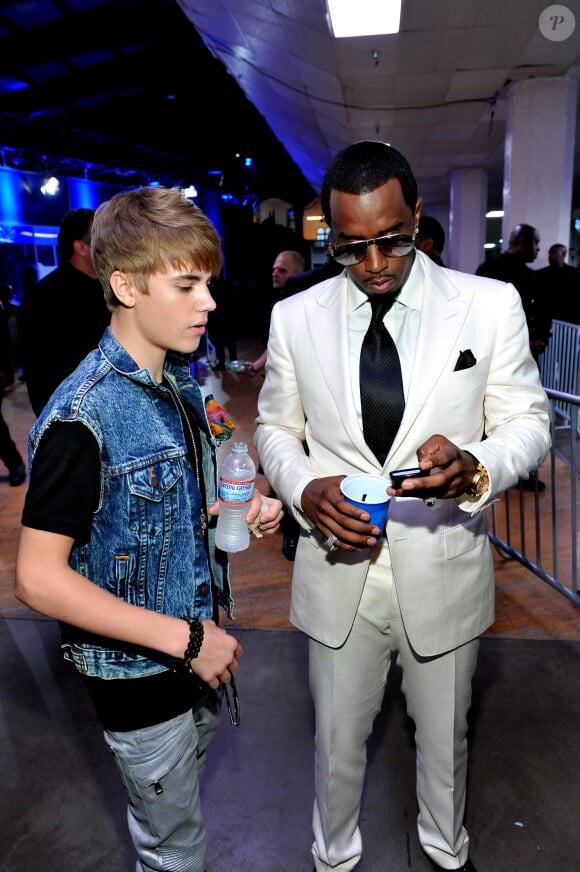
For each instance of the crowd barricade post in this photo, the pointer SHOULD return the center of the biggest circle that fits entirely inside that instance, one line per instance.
(540, 529)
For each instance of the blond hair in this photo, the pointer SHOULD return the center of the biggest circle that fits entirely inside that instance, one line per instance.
(147, 231)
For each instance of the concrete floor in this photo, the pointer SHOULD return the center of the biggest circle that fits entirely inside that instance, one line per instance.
(62, 808)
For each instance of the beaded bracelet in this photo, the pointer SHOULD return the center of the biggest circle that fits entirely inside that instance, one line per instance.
(195, 641)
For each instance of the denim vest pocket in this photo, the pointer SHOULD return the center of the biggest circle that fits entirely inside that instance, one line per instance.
(153, 496)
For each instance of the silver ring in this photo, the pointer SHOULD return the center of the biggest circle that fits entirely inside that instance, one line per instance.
(329, 544)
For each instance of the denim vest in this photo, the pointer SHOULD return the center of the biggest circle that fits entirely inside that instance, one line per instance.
(146, 545)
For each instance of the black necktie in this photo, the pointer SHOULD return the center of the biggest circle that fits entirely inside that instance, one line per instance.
(381, 383)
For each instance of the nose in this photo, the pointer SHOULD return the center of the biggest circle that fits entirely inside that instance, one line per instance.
(375, 260)
(208, 304)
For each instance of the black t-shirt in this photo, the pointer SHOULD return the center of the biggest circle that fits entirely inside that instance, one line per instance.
(64, 487)
(63, 494)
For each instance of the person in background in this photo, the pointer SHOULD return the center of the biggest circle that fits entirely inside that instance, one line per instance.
(512, 266)
(460, 399)
(430, 238)
(11, 313)
(9, 453)
(63, 316)
(303, 280)
(223, 322)
(118, 535)
(560, 283)
(286, 264)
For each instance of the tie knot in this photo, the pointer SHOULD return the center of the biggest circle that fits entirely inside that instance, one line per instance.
(380, 305)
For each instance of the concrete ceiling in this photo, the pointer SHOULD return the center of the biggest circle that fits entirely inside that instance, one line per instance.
(437, 90)
(132, 90)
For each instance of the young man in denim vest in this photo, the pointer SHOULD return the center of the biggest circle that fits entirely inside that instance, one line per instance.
(118, 527)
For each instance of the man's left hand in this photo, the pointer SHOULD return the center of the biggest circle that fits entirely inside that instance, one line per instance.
(451, 471)
(269, 519)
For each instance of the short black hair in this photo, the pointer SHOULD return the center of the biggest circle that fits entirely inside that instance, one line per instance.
(430, 228)
(364, 167)
(522, 234)
(76, 224)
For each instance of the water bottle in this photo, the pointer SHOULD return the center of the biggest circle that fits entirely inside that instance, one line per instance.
(236, 488)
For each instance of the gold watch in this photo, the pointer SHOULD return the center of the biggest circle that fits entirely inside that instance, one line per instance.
(480, 481)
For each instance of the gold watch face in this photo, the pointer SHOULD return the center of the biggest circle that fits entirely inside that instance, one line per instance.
(480, 482)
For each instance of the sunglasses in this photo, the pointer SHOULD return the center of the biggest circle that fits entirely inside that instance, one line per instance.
(350, 253)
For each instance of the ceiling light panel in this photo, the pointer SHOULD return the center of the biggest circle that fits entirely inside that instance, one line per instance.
(364, 18)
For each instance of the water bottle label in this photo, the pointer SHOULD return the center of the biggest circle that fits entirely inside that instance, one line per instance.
(236, 492)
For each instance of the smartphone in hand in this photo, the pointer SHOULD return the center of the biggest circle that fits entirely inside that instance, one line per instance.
(397, 476)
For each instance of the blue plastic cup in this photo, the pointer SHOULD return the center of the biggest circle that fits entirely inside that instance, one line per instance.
(368, 492)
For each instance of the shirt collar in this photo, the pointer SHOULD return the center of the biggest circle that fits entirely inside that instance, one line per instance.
(411, 294)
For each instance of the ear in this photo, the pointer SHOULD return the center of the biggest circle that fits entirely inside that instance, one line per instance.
(123, 289)
(418, 211)
(81, 248)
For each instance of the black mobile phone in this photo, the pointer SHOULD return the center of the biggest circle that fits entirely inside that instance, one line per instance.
(397, 475)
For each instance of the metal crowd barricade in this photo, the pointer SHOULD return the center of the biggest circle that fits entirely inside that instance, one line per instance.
(540, 530)
(560, 366)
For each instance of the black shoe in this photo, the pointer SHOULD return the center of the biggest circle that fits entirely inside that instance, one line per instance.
(533, 482)
(17, 475)
(289, 546)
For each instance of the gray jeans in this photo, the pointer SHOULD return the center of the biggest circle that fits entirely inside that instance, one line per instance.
(161, 767)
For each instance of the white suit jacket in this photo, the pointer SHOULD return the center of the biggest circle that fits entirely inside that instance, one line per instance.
(441, 558)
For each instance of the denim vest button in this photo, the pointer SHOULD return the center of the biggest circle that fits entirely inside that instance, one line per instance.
(204, 590)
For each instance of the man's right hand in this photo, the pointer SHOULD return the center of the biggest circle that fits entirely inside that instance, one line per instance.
(323, 502)
(218, 655)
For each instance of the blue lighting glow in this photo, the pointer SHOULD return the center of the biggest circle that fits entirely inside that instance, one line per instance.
(8, 84)
(10, 197)
(84, 194)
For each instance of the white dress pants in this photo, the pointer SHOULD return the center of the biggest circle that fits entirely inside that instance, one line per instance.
(347, 685)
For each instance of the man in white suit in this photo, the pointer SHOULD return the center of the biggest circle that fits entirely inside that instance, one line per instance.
(475, 417)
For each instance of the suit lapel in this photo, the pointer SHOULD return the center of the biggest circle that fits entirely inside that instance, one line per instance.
(328, 326)
(443, 312)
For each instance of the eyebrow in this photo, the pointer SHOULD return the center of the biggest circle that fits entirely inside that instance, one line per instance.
(190, 276)
(396, 228)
